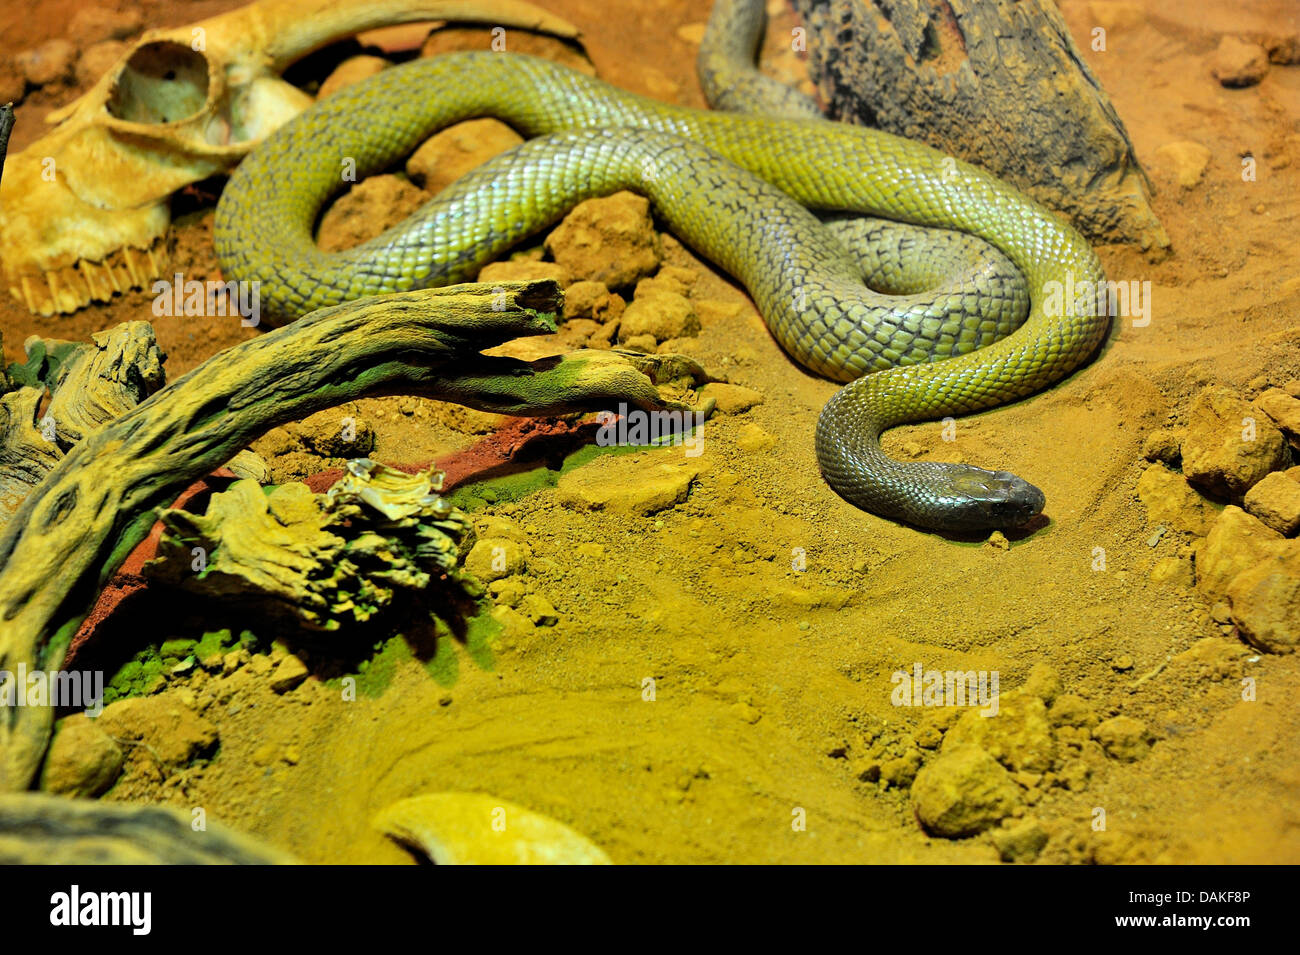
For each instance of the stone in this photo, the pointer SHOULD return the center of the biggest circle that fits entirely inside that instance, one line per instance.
(1276, 502)
(1238, 63)
(97, 59)
(1229, 445)
(1017, 736)
(366, 210)
(592, 300)
(963, 792)
(1185, 160)
(48, 63)
(171, 732)
(1022, 841)
(522, 270)
(450, 153)
(1265, 601)
(731, 399)
(351, 70)
(610, 240)
(82, 759)
(1236, 542)
(1123, 738)
(661, 315)
(92, 24)
(1173, 571)
(1068, 709)
(514, 625)
(492, 558)
(1171, 503)
(538, 610)
(1043, 682)
(1284, 410)
(1164, 444)
(754, 439)
(625, 485)
(288, 674)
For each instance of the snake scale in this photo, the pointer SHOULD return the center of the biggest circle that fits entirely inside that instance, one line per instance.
(738, 188)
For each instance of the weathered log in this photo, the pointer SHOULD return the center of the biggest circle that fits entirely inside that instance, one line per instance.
(999, 83)
(100, 501)
(36, 829)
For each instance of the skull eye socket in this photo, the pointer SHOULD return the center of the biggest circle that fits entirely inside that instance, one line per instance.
(162, 82)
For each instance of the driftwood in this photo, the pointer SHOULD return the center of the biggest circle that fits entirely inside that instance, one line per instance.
(100, 501)
(36, 829)
(999, 83)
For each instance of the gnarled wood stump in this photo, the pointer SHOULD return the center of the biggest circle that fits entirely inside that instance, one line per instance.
(999, 83)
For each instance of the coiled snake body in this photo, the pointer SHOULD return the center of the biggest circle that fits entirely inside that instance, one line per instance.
(751, 221)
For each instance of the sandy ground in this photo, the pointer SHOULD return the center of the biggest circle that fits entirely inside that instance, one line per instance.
(772, 683)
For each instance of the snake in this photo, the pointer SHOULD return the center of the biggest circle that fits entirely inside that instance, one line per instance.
(742, 190)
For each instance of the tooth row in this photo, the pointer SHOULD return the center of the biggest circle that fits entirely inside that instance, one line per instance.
(75, 286)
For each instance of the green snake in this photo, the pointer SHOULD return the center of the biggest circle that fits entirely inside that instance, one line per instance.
(738, 188)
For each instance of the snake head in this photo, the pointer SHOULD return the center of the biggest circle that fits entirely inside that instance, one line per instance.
(989, 500)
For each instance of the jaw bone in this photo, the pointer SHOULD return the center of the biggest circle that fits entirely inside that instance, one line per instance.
(84, 210)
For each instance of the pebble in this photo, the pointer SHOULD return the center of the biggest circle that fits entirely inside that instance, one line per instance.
(1018, 737)
(1123, 738)
(48, 63)
(661, 316)
(351, 70)
(173, 733)
(366, 210)
(1238, 63)
(1276, 502)
(1170, 502)
(492, 558)
(626, 486)
(289, 673)
(610, 240)
(1021, 841)
(82, 759)
(1186, 160)
(731, 399)
(963, 792)
(447, 155)
(1220, 453)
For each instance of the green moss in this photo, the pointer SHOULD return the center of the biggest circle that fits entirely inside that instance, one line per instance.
(144, 672)
(516, 487)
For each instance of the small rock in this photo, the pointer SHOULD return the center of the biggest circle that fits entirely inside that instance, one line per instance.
(1022, 841)
(1174, 571)
(539, 610)
(661, 315)
(610, 240)
(1164, 444)
(48, 63)
(1284, 410)
(367, 209)
(351, 70)
(515, 626)
(1170, 502)
(962, 792)
(82, 760)
(1229, 446)
(98, 59)
(91, 24)
(289, 673)
(1071, 710)
(592, 300)
(1185, 160)
(625, 485)
(1236, 542)
(731, 399)
(449, 154)
(171, 732)
(1123, 738)
(1237, 63)
(13, 85)
(492, 558)
(523, 270)
(1265, 601)
(1018, 736)
(1276, 502)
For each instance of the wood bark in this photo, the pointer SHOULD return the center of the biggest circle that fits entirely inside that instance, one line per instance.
(99, 502)
(999, 83)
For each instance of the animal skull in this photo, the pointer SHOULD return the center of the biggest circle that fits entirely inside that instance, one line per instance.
(84, 211)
